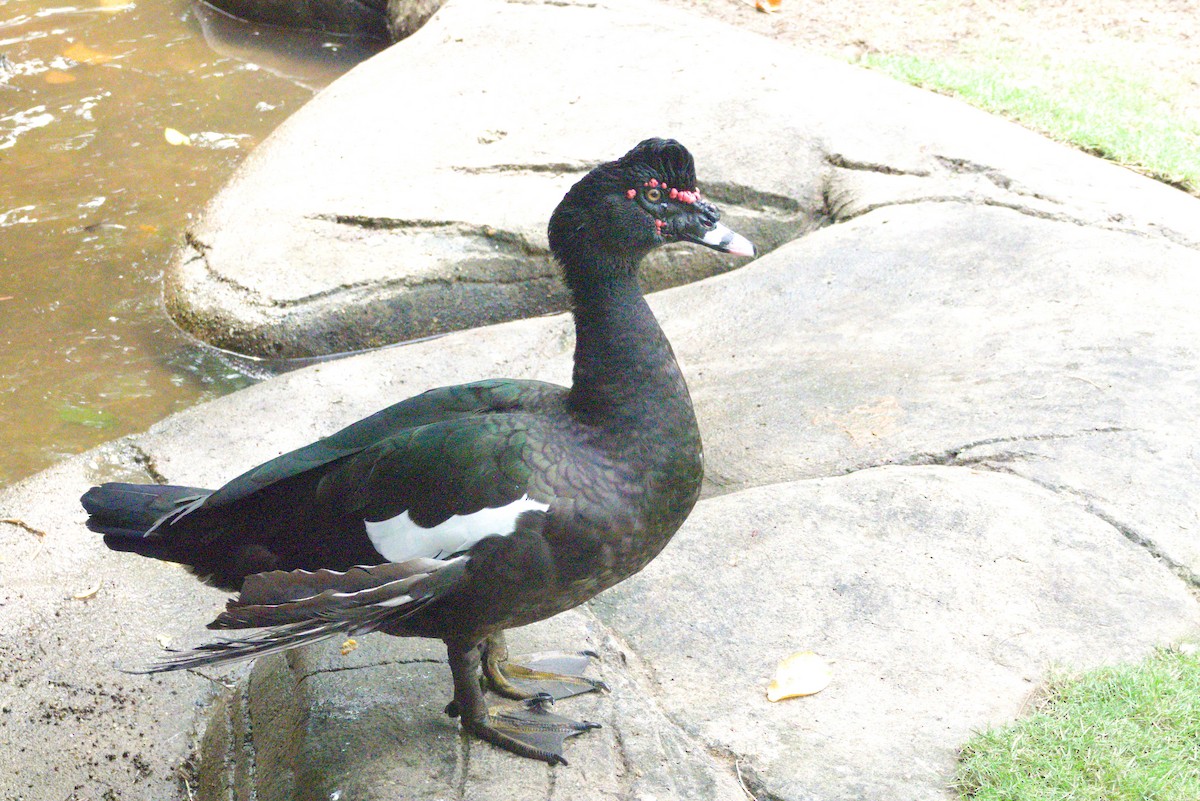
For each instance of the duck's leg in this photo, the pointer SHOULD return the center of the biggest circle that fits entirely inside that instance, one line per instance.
(557, 674)
(527, 730)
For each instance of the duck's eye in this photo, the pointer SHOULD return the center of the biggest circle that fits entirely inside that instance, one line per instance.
(654, 194)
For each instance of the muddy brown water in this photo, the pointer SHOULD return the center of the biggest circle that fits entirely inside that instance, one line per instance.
(118, 121)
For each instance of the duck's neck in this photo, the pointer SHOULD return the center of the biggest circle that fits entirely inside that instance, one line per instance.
(625, 371)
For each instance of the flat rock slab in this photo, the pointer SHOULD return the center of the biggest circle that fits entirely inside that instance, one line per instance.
(411, 197)
(316, 724)
(940, 596)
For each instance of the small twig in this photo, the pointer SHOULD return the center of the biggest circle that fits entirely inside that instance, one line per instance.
(6, 297)
(14, 521)
(1087, 381)
(196, 672)
(182, 773)
(737, 766)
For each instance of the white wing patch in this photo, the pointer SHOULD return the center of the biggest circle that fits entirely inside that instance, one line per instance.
(399, 538)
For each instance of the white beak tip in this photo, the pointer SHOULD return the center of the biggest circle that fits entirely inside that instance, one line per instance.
(728, 241)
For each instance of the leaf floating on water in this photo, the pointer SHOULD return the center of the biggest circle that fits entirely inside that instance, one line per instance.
(90, 592)
(802, 673)
(58, 77)
(349, 645)
(175, 137)
(86, 55)
(92, 418)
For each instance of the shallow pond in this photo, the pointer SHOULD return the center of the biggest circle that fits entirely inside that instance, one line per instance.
(118, 121)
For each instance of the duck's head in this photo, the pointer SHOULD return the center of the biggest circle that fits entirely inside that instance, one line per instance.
(623, 209)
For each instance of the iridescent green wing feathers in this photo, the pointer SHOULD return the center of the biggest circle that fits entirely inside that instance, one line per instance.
(436, 405)
(438, 471)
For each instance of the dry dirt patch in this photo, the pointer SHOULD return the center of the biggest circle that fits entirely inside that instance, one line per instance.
(1162, 36)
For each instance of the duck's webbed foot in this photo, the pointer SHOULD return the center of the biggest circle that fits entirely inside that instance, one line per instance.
(553, 673)
(528, 730)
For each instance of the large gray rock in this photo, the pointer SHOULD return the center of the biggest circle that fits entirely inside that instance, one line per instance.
(314, 724)
(72, 725)
(361, 18)
(411, 197)
(941, 597)
(962, 334)
(379, 21)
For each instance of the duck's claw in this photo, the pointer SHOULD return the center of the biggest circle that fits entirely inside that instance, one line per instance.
(554, 673)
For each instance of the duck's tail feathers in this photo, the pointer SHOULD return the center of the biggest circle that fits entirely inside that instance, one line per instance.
(126, 513)
(269, 641)
(299, 607)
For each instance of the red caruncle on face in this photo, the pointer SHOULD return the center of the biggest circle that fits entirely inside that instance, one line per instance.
(688, 196)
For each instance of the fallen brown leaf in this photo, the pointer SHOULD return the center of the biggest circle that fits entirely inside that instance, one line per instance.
(86, 55)
(802, 673)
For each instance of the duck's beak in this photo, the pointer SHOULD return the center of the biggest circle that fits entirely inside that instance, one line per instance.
(721, 238)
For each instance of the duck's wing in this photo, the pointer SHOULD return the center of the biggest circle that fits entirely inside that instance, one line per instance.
(301, 607)
(435, 491)
(436, 405)
(431, 490)
(443, 503)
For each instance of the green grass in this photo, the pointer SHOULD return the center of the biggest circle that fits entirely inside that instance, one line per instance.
(1119, 111)
(1129, 733)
